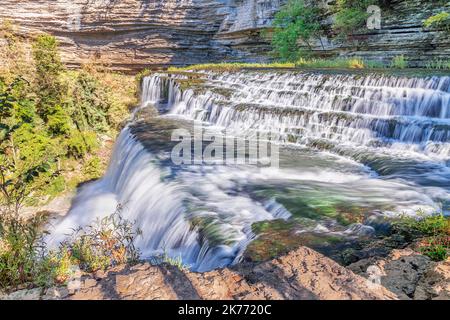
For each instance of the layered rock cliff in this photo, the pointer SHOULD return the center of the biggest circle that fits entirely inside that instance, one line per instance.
(132, 34)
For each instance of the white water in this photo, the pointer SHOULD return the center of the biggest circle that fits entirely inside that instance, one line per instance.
(402, 114)
(394, 127)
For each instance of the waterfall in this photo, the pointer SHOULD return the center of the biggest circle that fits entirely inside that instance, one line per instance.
(375, 111)
(383, 141)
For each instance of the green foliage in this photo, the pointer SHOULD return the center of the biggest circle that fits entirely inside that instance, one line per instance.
(106, 243)
(226, 67)
(58, 121)
(20, 246)
(81, 143)
(25, 150)
(24, 259)
(48, 70)
(295, 21)
(436, 228)
(49, 116)
(438, 65)
(141, 75)
(440, 21)
(399, 62)
(89, 103)
(422, 225)
(351, 15)
(340, 63)
(54, 267)
(164, 258)
(45, 53)
(437, 248)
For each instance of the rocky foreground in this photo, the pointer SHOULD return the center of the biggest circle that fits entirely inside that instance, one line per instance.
(301, 274)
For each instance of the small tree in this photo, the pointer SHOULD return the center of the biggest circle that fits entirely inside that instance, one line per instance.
(295, 21)
(48, 69)
(19, 166)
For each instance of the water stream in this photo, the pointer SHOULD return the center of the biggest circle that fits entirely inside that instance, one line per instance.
(349, 144)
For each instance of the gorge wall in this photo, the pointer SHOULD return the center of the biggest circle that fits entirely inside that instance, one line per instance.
(132, 34)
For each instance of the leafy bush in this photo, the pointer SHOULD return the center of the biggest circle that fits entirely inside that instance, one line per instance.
(59, 122)
(436, 248)
(48, 69)
(164, 258)
(436, 228)
(295, 21)
(399, 62)
(25, 260)
(422, 225)
(20, 246)
(351, 15)
(93, 168)
(81, 143)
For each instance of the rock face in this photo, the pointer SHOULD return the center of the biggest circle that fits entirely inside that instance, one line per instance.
(132, 34)
(301, 274)
(137, 33)
(408, 274)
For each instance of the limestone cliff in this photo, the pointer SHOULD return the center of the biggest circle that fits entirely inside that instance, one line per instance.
(138, 33)
(131, 34)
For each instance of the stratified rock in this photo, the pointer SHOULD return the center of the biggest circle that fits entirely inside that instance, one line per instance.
(301, 274)
(130, 34)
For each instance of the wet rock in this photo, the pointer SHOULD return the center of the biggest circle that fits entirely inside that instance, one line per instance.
(360, 230)
(380, 223)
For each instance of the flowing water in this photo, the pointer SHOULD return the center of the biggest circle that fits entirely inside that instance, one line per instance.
(350, 144)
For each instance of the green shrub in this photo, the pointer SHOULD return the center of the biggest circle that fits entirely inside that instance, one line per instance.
(343, 63)
(54, 268)
(55, 186)
(81, 143)
(59, 122)
(437, 248)
(440, 21)
(48, 69)
(399, 62)
(435, 229)
(25, 260)
(20, 246)
(351, 16)
(295, 21)
(93, 168)
(164, 258)
(423, 225)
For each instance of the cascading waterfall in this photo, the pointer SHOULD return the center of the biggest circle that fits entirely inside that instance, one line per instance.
(386, 143)
(372, 110)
